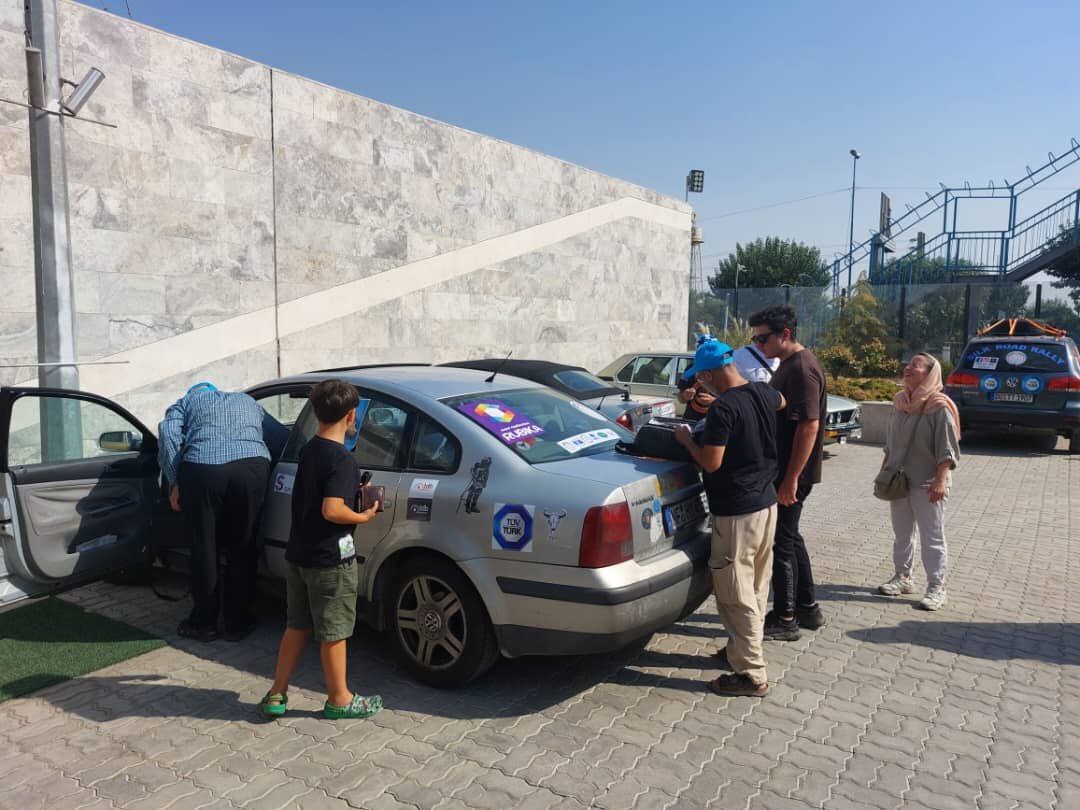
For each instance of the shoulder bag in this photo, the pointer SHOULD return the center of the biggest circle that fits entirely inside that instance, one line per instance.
(892, 484)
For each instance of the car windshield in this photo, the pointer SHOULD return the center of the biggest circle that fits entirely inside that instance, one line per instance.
(582, 382)
(1016, 356)
(540, 424)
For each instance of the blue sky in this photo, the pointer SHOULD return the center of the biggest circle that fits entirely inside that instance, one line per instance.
(767, 98)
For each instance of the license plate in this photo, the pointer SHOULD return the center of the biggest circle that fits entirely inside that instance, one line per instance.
(1002, 396)
(684, 513)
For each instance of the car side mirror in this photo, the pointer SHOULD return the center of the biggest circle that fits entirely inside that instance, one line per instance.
(120, 441)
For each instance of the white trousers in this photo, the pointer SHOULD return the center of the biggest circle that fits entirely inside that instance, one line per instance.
(916, 511)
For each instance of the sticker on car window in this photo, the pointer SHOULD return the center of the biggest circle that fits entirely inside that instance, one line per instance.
(1015, 358)
(497, 417)
(1032, 385)
(581, 441)
(986, 363)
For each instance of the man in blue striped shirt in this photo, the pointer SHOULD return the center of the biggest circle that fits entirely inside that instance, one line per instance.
(215, 458)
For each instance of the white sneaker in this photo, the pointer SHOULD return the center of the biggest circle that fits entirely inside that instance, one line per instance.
(935, 598)
(897, 585)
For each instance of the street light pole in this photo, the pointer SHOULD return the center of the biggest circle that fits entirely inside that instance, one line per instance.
(851, 228)
(61, 430)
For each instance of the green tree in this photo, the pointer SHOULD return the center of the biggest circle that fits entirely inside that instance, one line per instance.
(771, 262)
(857, 340)
(1066, 268)
(1059, 314)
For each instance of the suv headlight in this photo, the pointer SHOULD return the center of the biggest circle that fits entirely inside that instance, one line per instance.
(856, 416)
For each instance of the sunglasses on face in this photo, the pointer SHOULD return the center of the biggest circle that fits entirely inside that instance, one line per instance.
(762, 339)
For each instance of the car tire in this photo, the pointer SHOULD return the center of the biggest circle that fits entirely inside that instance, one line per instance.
(437, 623)
(1074, 442)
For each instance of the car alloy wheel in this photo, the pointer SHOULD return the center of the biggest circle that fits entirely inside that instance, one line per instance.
(431, 622)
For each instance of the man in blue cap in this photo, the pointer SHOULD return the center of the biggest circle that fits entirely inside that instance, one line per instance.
(216, 463)
(737, 454)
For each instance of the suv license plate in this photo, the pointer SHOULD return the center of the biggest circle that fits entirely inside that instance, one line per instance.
(1002, 396)
(684, 513)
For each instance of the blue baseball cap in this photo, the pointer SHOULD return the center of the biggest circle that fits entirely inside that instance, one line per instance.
(202, 386)
(710, 354)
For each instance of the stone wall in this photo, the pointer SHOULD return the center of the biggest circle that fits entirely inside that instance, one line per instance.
(241, 220)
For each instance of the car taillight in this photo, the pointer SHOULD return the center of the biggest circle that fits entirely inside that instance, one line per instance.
(607, 536)
(625, 420)
(1064, 384)
(960, 379)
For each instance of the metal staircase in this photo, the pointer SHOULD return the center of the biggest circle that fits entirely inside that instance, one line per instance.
(1012, 253)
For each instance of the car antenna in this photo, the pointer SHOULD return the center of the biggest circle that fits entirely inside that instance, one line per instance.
(498, 368)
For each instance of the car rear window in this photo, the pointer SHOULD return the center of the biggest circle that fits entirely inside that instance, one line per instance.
(540, 424)
(582, 382)
(1013, 356)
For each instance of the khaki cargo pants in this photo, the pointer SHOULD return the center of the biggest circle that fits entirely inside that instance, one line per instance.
(741, 563)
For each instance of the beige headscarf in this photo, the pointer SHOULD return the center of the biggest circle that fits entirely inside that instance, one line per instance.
(929, 396)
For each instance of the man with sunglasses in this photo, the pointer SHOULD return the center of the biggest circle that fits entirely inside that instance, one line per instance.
(800, 438)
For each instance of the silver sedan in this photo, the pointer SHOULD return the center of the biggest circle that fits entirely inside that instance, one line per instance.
(512, 525)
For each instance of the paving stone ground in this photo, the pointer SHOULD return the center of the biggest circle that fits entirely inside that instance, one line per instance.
(977, 706)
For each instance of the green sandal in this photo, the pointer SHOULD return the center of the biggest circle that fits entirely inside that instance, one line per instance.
(359, 706)
(273, 705)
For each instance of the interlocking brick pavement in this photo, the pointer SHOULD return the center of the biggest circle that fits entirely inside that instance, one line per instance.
(977, 706)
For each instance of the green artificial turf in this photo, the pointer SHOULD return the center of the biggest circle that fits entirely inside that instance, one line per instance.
(51, 640)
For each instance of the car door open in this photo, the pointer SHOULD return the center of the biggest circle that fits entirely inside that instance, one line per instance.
(78, 483)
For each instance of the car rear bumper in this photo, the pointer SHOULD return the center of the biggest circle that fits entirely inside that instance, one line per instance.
(604, 610)
(1063, 420)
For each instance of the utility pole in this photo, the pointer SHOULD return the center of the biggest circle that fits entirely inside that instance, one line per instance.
(61, 430)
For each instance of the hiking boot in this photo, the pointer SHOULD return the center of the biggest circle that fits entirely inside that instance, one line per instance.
(810, 618)
(935, 598)
(273, 705)
(736, 685)
(900, 583)
(777, 629)
(188, 629)
(358, 707)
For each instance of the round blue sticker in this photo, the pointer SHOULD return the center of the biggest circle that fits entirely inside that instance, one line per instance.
(1032, 385)
(989, 384)
(512, 528)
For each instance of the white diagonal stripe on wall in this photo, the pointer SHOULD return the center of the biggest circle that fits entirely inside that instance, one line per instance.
(199, 347)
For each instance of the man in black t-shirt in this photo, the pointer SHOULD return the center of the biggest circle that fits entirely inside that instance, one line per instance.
(738, 457)
(800, 435)
(321, 577)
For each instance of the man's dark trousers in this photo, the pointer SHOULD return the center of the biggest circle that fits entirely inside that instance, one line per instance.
(221, 504)
(793, 580)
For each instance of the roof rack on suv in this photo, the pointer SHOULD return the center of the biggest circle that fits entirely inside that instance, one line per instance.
(1020, 327)
(368, 365)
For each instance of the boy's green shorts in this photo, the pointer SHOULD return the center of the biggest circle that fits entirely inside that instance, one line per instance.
(322, 600)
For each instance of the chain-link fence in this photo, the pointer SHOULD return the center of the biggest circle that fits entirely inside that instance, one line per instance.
(938, 318)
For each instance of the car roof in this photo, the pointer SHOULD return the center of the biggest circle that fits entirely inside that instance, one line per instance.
(541, 371)
(1064, 339)
(435, 382)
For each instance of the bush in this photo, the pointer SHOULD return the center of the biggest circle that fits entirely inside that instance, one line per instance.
(863, 389)
(838, 361)
(872, 360)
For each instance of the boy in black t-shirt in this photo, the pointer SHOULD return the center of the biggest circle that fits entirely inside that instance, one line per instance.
(321, 578)
(738, 457)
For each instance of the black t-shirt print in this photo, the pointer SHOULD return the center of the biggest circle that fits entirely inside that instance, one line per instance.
(743, 421)
(801, 380)
(326, 470)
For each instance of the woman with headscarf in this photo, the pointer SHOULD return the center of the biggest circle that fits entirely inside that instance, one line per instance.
(924, 435)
